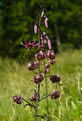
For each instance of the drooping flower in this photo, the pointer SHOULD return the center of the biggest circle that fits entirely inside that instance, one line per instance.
(55, 94)
(28, 44)
(46, 22)
(55, 78)
(35, 28)
(40, 55)
(50, 54)
(37, 79)
(17, 99)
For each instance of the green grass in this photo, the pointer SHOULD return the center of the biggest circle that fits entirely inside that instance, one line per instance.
(15, 79)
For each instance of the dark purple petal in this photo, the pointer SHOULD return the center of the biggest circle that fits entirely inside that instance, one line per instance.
(55, 78)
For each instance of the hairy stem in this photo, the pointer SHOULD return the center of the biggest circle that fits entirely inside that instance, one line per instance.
(46, 87)
(38, 88)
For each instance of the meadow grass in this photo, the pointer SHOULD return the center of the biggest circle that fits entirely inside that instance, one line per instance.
(15, 79)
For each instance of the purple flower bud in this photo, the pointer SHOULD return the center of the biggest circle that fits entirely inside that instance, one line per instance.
(42, 14)
(17, 99)
(47, 70)
(50, 54)
(49, 44)
(37, 79)
(55, 78)
(40, 55)
(35, 28)
(46, 22)
(55, 94)
(33, 97)
(31, 66)
(47, 65)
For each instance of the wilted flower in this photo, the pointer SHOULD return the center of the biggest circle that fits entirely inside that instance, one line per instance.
(55, 94)
(35, 29)
(28, 44)
(49, 44)
(55, 78)
(37, 79)
(46, 22)
(17, 99)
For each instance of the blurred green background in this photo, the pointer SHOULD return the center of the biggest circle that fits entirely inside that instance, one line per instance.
(17, 18)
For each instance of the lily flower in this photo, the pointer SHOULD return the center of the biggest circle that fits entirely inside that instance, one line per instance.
(28, 44)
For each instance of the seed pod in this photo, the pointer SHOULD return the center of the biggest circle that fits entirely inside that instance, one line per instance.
(46, 22)
(55, 94)
(37, 79)
(17, 99)
(33, 97)
(55, 78)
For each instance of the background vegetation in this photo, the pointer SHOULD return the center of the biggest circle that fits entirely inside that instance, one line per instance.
(18, 17)
(15, 79)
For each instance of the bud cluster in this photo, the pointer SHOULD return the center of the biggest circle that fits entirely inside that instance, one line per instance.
(55, 94)
(33, 65)
(37, 79)
(17, 99)
(40, 55)
(55, 78)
